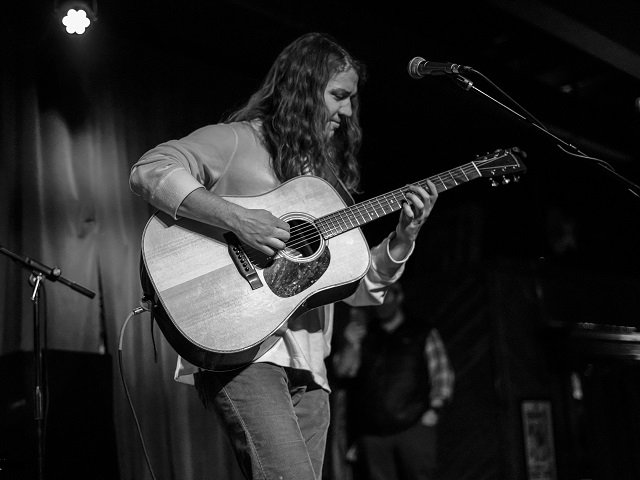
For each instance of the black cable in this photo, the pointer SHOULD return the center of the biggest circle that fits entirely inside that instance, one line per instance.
(135, 311)
(153, 337)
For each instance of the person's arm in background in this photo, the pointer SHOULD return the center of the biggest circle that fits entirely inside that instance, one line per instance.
(441, 377)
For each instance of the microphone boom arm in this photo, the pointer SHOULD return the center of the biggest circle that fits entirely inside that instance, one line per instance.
(467, 85)
(54, 274)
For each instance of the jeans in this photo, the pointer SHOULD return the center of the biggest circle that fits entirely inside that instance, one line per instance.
(276, 418)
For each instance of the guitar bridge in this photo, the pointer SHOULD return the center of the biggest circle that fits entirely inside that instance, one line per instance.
(241, 261)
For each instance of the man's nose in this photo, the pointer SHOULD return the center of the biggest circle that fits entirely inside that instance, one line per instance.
(345, 109)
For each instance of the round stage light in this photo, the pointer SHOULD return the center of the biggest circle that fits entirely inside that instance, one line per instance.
(76, 15)
(76, 21)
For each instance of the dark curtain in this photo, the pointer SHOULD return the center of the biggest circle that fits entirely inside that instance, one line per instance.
(76, 113)
(75, 116)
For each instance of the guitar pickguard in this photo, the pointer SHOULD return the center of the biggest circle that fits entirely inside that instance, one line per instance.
(286, 277)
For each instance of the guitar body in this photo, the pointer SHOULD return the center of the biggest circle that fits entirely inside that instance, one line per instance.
(223, 303)
(217, 318)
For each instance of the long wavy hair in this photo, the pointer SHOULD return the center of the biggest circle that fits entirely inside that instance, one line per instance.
(291, 109)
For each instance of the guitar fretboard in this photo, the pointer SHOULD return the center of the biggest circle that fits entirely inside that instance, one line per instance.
(362, 213)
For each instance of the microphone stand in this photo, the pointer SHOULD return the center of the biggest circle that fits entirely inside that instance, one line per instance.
(467, 85)
(39, 272)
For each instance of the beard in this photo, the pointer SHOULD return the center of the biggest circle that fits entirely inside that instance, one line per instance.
(336, 143)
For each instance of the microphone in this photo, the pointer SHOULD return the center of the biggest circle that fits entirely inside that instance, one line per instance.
(419, 67)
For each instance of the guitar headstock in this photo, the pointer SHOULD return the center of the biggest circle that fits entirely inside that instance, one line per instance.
(502, 166)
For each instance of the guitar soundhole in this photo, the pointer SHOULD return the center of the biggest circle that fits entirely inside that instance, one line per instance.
(304, 260)
(305, 240)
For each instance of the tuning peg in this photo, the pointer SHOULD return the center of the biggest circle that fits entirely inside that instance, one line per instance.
(516, 178)
(494, 183)
(519, 151)
(506, 180)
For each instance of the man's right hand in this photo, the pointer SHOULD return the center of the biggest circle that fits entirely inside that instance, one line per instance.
(261, 230)
(257, 228)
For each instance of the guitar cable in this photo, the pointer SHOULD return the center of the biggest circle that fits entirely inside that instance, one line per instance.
(145, 306)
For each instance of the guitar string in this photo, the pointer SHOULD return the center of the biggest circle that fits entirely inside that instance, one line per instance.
(309, 231)
(391, 200)
(370, 209)
(301, 234)
(387, 201)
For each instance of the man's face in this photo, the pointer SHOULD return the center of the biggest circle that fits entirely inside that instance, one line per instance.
(339, 92)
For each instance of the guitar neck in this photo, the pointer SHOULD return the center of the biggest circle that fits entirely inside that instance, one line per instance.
(362, 213)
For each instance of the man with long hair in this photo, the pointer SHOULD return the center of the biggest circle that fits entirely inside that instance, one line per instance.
(302, 120)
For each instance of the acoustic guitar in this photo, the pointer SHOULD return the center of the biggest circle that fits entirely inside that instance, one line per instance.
(222, 301)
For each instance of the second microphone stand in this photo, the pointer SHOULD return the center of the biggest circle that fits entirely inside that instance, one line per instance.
(38, 273)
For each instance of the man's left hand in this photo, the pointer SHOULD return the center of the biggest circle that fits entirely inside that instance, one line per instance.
(415, 210)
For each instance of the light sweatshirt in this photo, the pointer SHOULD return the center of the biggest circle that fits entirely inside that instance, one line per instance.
(229, 159)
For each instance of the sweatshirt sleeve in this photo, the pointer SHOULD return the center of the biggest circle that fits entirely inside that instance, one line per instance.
(166, 174)
(384, 271)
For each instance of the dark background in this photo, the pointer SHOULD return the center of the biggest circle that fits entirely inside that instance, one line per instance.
(574, 65)
(571, 64)
(507, 274)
